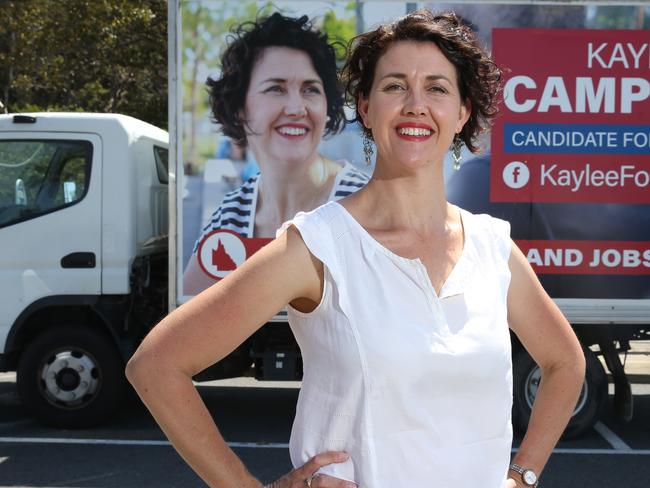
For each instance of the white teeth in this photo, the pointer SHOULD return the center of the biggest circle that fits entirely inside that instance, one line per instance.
(414, 131)
(292, 131)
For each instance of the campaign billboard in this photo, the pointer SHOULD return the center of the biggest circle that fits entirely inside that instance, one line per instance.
(573, 126)
(569, 164)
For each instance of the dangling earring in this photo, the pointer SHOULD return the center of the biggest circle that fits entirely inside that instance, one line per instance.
(455, 151)
(367, 148)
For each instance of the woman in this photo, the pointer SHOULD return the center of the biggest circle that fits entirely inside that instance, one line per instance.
(401, 303)
(278, 93)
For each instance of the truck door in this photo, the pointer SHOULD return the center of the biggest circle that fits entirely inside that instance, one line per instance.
(50, 219)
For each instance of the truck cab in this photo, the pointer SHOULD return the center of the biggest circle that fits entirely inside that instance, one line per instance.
(83, 267)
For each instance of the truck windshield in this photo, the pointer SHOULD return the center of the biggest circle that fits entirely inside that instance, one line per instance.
(40, 176)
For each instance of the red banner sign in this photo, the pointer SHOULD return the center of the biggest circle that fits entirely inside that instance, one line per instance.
(575, 121)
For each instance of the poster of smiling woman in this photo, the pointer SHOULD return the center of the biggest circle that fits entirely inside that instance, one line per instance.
(264, 128)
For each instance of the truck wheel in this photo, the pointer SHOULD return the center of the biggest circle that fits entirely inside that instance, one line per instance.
(592, 400)
(71, 377)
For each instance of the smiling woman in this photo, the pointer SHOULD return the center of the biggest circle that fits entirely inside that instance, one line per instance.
(402, 303)
(279, 94)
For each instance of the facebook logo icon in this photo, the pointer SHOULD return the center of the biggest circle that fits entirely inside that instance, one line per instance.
(516, 174)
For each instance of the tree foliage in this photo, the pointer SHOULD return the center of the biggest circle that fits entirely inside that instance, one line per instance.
(85, 55)
(340, 30)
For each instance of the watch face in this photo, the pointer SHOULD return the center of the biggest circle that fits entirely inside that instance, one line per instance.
(529, 477)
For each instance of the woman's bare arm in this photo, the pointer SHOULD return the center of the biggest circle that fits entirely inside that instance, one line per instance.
(548, 337)
(205, 330)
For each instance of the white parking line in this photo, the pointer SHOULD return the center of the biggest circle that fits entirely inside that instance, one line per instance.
(615, 441)
(260, 445)
(125, 442)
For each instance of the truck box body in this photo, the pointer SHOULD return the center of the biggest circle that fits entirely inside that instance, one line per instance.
(565, 71)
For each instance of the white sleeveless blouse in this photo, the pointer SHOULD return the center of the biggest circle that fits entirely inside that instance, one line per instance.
(416, 387)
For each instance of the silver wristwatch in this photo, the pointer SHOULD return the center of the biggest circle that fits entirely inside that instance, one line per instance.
(528, 476)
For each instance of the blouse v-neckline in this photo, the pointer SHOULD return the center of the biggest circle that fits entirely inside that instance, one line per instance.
(453, 283)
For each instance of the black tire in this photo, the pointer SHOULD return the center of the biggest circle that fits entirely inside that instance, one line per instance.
(593, 397)
(83, 365)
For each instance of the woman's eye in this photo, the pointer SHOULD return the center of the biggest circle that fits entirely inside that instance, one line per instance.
(274, 89)
(313, 90)
(393, 87)
(437, 89)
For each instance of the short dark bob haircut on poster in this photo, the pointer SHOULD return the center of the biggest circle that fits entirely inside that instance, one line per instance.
(479, 79)
(245, 46)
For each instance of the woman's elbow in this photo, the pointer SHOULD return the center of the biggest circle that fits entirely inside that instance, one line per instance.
(150, 369)
(575, 361)
(140, 369)
(571, 366)
(580, 369)
(568, 361)
(132, 370)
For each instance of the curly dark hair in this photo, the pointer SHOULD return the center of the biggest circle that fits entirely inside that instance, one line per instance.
(479, 78)
(246, 43)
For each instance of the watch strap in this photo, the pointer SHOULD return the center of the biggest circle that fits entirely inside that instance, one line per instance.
(521, 470)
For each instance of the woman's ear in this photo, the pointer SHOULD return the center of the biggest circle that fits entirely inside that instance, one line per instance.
(463, 116)
(362, 108)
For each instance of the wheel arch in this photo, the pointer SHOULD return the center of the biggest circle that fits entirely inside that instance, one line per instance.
(92, 311)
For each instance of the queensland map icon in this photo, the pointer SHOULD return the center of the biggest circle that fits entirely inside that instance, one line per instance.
(220, 253)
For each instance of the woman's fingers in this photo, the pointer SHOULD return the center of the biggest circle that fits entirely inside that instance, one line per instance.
(325, 481)
(322, 459)
(305, 476)
(308, 471)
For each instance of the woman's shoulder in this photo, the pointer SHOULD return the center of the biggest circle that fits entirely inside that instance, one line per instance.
(324, 215)
(489, 230)
(484, 220)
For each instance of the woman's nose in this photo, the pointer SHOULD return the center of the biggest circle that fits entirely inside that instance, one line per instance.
(414, 103)
(295, 105)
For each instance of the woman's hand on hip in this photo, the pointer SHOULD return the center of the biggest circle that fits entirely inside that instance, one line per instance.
(305, 476)
(512, 483)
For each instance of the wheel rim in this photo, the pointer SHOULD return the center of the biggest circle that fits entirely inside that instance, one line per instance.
(532, 384)
(70, 378)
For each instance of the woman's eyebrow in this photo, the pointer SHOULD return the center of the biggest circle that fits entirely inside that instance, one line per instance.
(402, 76)
(284, 80)
(273, 80)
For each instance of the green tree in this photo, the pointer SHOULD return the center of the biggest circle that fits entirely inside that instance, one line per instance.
(621, 17)
(341, 30)
(85, 55)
